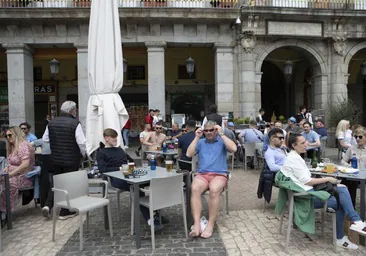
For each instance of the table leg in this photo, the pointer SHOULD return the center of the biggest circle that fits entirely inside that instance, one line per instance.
(105, 210)
(136, 190)
(8, 206)
(362, 207)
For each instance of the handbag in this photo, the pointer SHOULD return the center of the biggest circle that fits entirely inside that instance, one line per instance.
(331, 188)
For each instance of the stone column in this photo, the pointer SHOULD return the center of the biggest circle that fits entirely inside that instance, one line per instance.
(83, 83)
(247, 81)
(224, 77)
(320, 91)
(258, 91)
(236, 87)
(20, 84)
(156, 76)
(338, 83)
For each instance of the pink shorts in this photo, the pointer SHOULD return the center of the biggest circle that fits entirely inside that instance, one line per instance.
(210, 176)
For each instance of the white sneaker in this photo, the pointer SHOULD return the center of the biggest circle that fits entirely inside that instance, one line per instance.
(346, 244)
(46, 212)
(359, 227)
(126, 147)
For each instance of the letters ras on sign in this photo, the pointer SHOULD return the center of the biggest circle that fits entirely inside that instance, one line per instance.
(44, 89)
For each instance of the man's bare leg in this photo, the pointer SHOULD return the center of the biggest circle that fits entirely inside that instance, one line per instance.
(198, 187)
(216, 187)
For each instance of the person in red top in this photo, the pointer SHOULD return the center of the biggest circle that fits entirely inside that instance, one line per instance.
(150, 117)
(126, 132)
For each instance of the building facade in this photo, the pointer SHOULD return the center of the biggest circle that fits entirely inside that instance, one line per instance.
(275, 54)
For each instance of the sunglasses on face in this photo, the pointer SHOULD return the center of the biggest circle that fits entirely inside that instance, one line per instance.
(23, 128)
(9, 135)
(184, 130)
(279, 137)
(208, 130)
(358, 137)
(158, 128)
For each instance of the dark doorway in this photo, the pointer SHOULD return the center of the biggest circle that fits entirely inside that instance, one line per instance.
(273, 91)
(189, 104)
(40, 113)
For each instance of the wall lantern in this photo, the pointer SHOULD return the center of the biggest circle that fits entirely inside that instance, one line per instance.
(54, 66)
(287, 69)
(124, 65)
(190, 63)
(363, 68)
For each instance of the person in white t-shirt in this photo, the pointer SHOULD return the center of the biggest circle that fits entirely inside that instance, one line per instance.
(344, 134)
(296, 169)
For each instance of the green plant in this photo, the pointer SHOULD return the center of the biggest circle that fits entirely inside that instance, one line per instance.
(238, 120)
(343, 109)
(247, 120)
(281, 118)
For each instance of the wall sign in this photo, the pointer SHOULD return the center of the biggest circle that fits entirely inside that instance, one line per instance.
(44, 89)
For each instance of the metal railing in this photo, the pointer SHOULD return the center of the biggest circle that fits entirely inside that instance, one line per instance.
(309, 4)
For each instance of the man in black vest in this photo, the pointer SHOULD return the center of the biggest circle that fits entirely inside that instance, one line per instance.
(67, 142)
(213, 116)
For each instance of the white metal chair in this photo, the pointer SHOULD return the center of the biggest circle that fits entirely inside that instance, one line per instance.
(249, 151)
(71, 191)
(291, 196)
(224, 194)
(163, 193)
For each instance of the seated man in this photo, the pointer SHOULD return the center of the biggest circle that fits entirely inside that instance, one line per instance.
(110, 158)
(275, 155)
(321, 130)
(183, 144)
(174, 133)
(312, 139)
(212, 173)
(277, 124)
(252, 134)
(153, 139)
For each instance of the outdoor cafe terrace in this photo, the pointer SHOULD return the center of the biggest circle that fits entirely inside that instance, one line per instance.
(308, 4)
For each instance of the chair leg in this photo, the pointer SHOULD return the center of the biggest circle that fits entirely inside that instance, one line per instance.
(152, 228)
(323, 223)
(87, 220)
(55, 210)
(334, 231)
(245, 162)
(227, 200)
(118, 207)
(264, 207)
(289, 224)
(35, 202)
(184, 216)
(110, 220)
(81, 232)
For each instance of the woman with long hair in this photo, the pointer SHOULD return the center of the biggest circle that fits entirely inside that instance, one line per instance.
(344, 134)
(20, 160)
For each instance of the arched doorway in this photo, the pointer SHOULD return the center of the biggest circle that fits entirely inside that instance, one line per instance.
(189, 104)
(356, 85)
(307, 83)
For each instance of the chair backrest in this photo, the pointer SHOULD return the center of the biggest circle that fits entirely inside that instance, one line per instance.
(75, 183)
(259, 145)
(2, 163)
(166, 192)
(249, 149)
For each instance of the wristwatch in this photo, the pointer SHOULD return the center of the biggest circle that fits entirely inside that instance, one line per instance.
(221, 133)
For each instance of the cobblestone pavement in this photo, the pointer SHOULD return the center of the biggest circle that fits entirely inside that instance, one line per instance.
(245, 231)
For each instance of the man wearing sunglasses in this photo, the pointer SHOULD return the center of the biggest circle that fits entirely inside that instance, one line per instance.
(153, 139)
(212, 173)
(26, 129)
(360, 150)
(275, 155)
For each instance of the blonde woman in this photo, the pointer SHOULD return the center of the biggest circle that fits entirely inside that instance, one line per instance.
(20, 159)
(344, 134)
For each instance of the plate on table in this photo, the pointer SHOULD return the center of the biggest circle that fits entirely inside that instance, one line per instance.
(349, 170)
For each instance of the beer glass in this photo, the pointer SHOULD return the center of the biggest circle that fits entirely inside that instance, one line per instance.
(131, 167)
(169, 165)
(158, 147)
(175, 145)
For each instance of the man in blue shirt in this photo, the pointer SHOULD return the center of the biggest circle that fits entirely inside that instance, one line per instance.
(252, 134)
(26, 129)
(312, 138)
(277, 124)
(183, 143)
(321, 130)
(212, 173)
(275, 155)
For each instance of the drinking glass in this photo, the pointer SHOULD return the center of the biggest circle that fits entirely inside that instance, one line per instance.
(169, 165)
(131, 167)
(145, 164)
(158, 147)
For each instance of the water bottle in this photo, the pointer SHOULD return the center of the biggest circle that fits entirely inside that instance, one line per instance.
(164, 147)
(354, 161)
(153, 163)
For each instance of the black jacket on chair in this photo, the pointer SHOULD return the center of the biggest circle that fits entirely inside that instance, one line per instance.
(266, 181)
